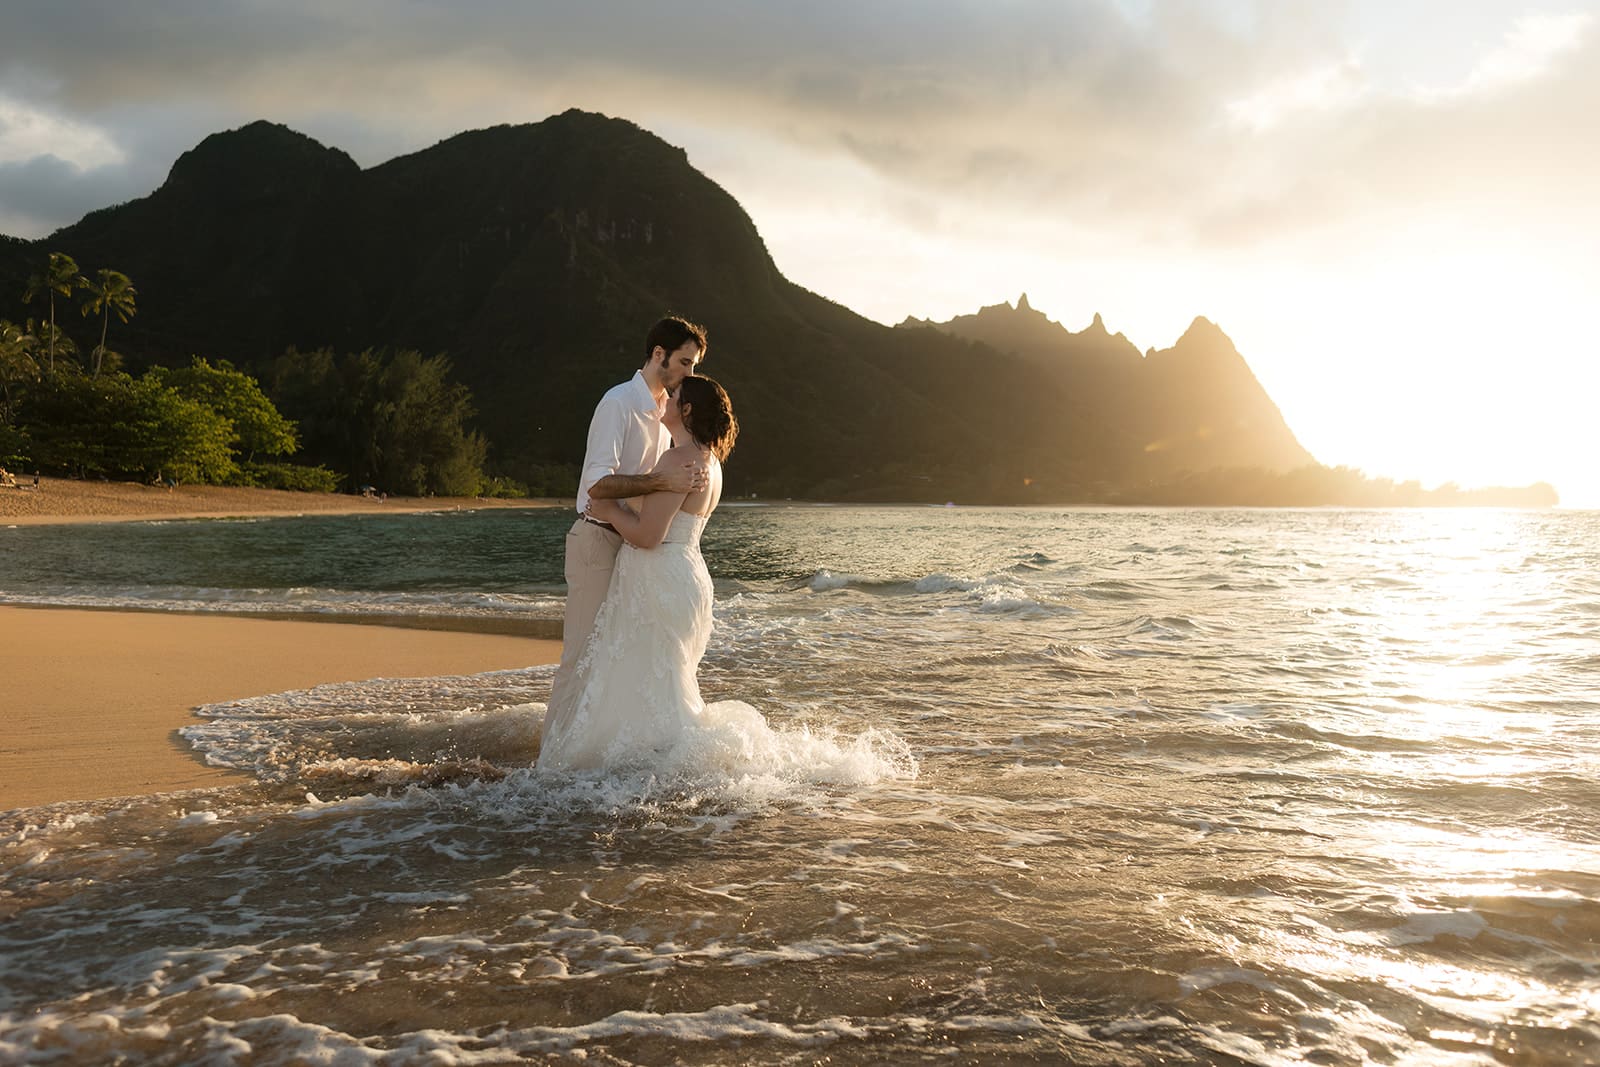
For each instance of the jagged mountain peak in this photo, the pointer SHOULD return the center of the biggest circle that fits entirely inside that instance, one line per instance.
(1197, 400)
(1022, 314)
(1203, 333)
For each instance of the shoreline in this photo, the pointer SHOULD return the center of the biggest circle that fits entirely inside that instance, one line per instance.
(94, 699)
(537, 628)
(62, 501)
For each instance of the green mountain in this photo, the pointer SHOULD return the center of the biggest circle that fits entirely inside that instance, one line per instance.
(536, 256)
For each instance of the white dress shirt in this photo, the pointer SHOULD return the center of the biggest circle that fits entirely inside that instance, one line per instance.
(625, 435)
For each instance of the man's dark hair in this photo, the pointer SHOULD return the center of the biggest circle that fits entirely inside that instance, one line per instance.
(671, 334)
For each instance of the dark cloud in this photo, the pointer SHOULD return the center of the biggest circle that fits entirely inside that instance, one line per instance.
(41, 194)
(1057, 110)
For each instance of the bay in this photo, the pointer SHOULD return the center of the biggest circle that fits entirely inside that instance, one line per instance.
(1196, 786)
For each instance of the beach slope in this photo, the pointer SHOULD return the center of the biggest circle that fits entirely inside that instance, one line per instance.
(91, 701)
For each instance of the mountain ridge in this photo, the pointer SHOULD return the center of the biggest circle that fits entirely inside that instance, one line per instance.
(1197, 398)
(536, 255)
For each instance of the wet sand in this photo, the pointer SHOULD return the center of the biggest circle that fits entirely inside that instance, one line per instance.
(91, 701)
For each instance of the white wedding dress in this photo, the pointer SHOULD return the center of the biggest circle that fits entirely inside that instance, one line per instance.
(638, 700)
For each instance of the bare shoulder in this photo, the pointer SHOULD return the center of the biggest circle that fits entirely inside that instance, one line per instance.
(677, 454)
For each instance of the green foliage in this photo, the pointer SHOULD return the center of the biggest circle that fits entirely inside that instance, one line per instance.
(425, 446)
(183, 425)
(60, 351)
(398, 421)
(552, 479)
(17, 365)
(59, 276)
(110, 291)
(502, 488)
(16, 450)
(258, 427)
(170, 434)
(187, 424)
(288, 476)
(120, 426)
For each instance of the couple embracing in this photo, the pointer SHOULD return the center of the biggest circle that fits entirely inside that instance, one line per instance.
(638, 613)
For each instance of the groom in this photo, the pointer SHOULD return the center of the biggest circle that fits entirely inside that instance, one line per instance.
(625, 440)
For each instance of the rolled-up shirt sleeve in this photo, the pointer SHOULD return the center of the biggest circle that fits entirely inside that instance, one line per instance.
(604, 452)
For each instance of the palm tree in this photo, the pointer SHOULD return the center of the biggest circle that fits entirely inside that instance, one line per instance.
(109, 290)
(43, 333)
(60, 275)
(16, 363)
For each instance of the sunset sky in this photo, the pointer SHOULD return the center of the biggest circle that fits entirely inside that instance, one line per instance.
(1391, 206)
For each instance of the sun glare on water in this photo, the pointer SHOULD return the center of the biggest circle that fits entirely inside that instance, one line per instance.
(1447, 682)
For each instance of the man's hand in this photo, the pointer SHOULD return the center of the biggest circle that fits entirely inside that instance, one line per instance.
(687, 478)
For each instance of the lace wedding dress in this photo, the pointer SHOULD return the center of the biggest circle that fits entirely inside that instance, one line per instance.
(639, 698)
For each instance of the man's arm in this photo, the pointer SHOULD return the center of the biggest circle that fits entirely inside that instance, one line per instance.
(679, 478)
(604, 451)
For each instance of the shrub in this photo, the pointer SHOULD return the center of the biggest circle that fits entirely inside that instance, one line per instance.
(502, 488)
(293, 476)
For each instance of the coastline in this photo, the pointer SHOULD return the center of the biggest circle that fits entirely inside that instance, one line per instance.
(61, 501)
(538, 628)
(93, 699)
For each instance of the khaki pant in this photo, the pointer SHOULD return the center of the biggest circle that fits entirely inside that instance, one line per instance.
(591, 557)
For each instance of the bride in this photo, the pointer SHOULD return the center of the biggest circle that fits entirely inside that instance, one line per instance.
(638, 694)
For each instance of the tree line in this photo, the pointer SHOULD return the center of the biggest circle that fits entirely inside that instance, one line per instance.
(392, 421)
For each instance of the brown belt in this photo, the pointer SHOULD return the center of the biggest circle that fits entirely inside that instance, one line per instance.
(597, 522)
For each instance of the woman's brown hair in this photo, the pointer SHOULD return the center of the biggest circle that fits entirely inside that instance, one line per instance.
(710, 415)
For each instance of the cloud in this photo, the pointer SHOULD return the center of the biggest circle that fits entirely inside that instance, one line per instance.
(1207, 123)
(44, 189)
(1534, 43)
(26, 133)
(1335, 87)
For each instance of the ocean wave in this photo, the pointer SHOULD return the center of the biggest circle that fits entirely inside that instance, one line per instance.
(990, 594)
(1116, 589)
(949, 583)
(826, 581)
(347, 737)
(938, 582)
(414, 722)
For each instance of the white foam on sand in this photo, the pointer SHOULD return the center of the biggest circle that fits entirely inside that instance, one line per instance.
(388, 729)
(481, 729)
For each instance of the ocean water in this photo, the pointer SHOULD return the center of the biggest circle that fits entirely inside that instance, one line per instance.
(1052, 786)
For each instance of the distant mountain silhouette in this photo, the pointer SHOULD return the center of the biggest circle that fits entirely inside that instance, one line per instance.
(537, 255)
(1196, 404)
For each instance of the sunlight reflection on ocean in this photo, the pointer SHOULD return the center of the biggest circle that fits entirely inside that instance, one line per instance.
(1193, 786)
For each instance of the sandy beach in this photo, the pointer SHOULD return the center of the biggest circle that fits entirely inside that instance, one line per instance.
(59, 500)
(92, 700)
